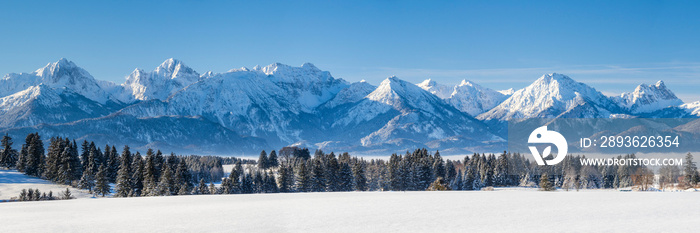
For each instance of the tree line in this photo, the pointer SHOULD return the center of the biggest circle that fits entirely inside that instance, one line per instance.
(293, 169)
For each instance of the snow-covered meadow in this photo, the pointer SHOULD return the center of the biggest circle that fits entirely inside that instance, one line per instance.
(504, 210)
(12, 182)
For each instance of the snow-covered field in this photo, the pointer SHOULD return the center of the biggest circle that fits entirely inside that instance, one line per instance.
(454, 211)
(12, 182)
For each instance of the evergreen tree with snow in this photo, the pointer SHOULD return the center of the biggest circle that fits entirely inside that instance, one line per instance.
(262, 160)
(439, 169)
(318, 180)
(8, 156)
(149, 175)
(235, 180)
(690, 170)
(85, 154)
(469, 179)
(331, 173)
(272, 160)
(137, 167)
(501, 171)
(101, 183)
(284, 178)
(35, 155)
(166, 186)
(451, 172)
(303, 178)
(87, 181)
(212, 189)
(124, 182)
(22, 159)
(545, 184)
(358, 172)
(395, 175)
(247, 185)
(456, 183)
(183, 178)
(345, 177)
(113, 164)
(202, 187)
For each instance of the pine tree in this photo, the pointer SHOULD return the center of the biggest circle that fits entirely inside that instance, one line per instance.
(272, 160)
(439, 169)
(35, 156)
(166, 184)
(358, 172)
(318, 180)
(212, 189)
(345, 177)
(149, 175)
(262, 160)
(183, 179)
(137, 175)
(8, 156)
(102, 184)
(284, 179)
(234, 180)
(85, 154)
(303, 178)
(113, 164)
(124, 181)
(87, 181)
(450, 172)
(67, 194)
(22, 159)
(331, 173)
(202, 188)
(545, 184)
(691, 171)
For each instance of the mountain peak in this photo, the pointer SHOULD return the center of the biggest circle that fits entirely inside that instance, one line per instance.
(554, 77)
(660, 84)
(648, 98)
(172, 68)
(427, 83)
(54, 68)
(466, 83)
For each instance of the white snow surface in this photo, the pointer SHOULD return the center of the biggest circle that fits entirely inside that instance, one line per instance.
(171, 76)
(452, 211)
(467, 96)
(12, 182)
(62, 74)
(648, 98)
(548, 96)
(693, 108)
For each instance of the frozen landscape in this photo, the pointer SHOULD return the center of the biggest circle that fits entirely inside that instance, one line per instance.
(519, 210)
(173, 107)
(12, 182)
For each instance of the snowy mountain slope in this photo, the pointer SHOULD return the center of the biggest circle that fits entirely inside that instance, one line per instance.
(692, 108)
(169, 133)
(440, 90)
(60, 74)
(467, 96)
(271, 102)
(399, 114)
(550, 96)
(648, 98)
(169, 77)
(42, 104)
(353, 93)
(281, 105)
(308, 85)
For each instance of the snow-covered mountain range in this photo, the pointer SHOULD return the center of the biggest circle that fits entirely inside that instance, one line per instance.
(245, 110)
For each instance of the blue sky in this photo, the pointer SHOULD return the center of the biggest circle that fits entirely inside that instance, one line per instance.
(610, 45)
